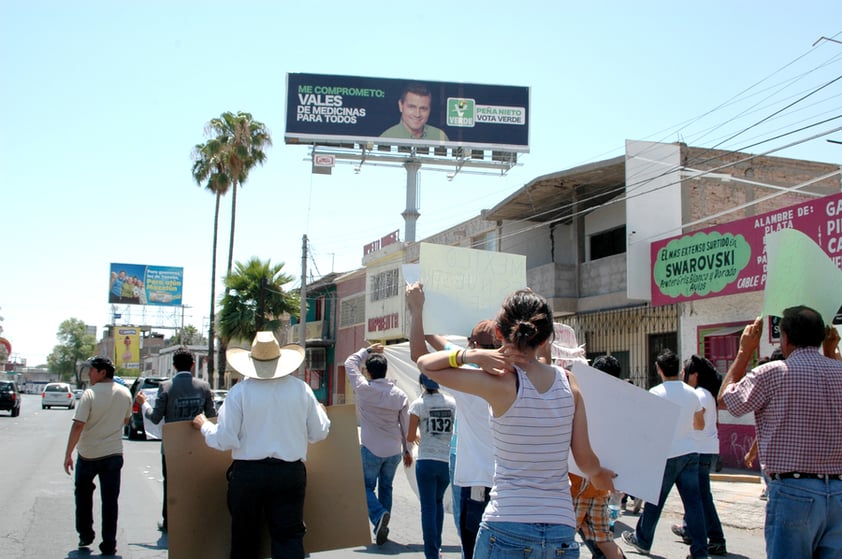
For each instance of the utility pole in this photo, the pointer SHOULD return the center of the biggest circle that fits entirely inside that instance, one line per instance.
(302, 311)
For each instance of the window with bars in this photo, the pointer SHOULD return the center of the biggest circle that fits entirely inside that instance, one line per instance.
(385, 285)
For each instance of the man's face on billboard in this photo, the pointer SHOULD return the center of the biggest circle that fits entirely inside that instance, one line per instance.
(415, 110)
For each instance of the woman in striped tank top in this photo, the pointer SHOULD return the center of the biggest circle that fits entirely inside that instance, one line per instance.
(537, 417)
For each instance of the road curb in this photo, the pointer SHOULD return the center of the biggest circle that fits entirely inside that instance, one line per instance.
(739, 478)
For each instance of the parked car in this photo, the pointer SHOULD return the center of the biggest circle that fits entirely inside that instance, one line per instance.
(218, 398)
(78, 392)
(135, 429)
(58, 394)
(10, 397)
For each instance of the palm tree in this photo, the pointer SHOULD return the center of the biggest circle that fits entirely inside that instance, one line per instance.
(255, 300)
(243, 141)
(209, 171)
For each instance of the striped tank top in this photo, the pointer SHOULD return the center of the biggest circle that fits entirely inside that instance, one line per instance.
(531, 444)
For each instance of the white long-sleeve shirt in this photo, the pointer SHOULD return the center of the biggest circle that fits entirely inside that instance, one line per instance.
(274, 418)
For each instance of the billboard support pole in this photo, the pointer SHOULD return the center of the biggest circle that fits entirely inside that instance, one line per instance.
(410, 214)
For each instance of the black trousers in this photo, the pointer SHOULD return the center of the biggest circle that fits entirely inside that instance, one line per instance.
(267, 489)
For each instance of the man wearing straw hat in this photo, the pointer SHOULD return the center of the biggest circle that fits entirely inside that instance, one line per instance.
(267, 422)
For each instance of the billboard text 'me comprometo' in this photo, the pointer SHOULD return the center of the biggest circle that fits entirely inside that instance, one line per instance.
(325, 108)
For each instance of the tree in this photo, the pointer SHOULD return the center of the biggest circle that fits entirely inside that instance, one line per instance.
(189, 335)
(243, 142)
(74, 346)
(236, 145)
(255, 300)
(209, 171)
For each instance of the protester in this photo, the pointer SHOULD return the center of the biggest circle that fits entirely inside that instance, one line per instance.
(537, 417)
(433, 413)
(97, 434)
(682, 467)
(797, 405)
(702, 375)
(591, 504)
(267, 422)
(473, 473)
(180, 398)
(383, 413)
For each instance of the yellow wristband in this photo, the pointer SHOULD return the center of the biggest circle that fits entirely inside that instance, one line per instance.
(452, 359)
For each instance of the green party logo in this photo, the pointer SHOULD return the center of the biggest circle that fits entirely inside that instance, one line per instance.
(700, 263)
(460, 112)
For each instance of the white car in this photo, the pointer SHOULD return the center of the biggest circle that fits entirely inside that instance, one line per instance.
(58, 394)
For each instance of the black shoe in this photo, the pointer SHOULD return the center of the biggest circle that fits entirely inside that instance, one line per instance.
(85, 542)
(717, 549)
(678, 530)
(107, 550)
(381, 529)
(162, 526)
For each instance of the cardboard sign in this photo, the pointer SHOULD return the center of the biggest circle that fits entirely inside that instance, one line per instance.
(335, 508)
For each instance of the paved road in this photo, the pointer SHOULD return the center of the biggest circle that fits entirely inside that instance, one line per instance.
(37, 500)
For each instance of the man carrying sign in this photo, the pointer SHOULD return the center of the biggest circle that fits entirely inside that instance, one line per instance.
(797, 404)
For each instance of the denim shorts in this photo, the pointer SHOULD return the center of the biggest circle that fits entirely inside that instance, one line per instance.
(510, 540)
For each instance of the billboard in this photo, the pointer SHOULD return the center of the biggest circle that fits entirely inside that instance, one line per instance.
(731, 258)
(337, 109)
(127, 348)
(139, 284)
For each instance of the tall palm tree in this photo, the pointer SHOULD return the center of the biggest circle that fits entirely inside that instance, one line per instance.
(210, 172)
(255, 300)
(244, 141)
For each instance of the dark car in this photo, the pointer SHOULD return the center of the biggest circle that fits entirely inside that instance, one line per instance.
(135, 430)
(10, 397)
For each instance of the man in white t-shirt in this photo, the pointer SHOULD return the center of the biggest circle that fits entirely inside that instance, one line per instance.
(682, 467)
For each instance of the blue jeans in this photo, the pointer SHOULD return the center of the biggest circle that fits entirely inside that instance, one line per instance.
(471, 516)
(804, 518)
(455, 494)
(712, 523)
(508, 540)
(432, 477)
(683, 472)
(108, 469)
(378, 472)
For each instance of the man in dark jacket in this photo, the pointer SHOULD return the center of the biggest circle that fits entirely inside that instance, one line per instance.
(181, 398)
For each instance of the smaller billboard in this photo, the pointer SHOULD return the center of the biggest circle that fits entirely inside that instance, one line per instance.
(139, 284)
(339, 109)
(127, 348)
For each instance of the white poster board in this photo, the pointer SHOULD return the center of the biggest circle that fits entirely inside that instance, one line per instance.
(799, 272)
(152, 431)
(630, 430)
(463, 286)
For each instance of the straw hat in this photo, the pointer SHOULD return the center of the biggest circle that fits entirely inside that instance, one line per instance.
(267, 359)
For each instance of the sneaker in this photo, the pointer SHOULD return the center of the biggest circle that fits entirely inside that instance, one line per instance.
(162, 527)
(717, 549)
(631, 540)
(107, 550)
(381, 529)
(763, 494)
(678, 530)
(85, 542)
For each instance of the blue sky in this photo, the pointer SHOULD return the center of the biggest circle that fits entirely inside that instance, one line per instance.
(102, 102)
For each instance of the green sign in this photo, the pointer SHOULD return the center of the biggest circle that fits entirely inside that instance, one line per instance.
(460, 112)
(700, 264)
